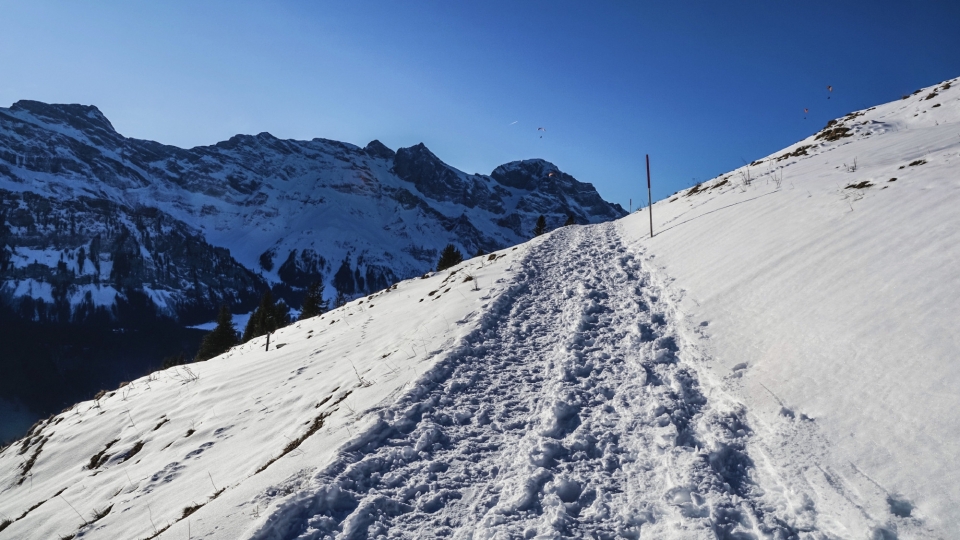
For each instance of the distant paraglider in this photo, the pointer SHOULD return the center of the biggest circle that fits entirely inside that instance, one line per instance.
(805, 111)
(829, 91)
(541, 129)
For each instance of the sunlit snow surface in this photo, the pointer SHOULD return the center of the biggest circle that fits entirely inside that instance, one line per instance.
(778, 362)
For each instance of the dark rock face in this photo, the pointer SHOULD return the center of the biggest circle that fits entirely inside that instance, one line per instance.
(554, 193)
(377, 149)
(440, 182)
(104, 248)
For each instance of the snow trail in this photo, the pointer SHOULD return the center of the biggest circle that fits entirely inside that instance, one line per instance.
(572, 411)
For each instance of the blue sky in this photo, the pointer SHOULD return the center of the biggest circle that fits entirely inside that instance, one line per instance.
(700, 86)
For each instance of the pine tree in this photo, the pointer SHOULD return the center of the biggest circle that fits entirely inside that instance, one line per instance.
(541, 226)
(450, 256)
(313, 303)
(340, 300)
(569, 221)
(480, 252)
(173, 360)
(220, 339)
(268, 317)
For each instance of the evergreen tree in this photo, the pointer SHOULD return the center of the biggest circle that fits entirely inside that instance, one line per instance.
(313, 303)
(450, 256)
(480, 252)
(220, 339)
(173, 360)
(340, 300)
(268, 317)
(569, 221)
(541, 226)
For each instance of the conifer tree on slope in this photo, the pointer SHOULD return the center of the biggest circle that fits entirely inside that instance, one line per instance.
(313, 302)
(450, 256)
(569, 221)
(341, 299)
(268, 317)
(541, 226)
(220, 339)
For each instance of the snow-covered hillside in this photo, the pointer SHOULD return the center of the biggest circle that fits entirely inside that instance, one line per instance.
(779, 361)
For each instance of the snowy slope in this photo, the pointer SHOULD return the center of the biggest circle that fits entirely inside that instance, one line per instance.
(777, 362)
(840, 305)
(212, 426)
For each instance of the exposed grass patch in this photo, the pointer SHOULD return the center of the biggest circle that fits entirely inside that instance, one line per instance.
(5, 523)
(861, 185)
(314, 427)
(190, 510)
(326, 399)
(162, 422)
(159, 531)
(100, 458)
(834, 134)
(190, 432)
(101, 513)
(801, 151)
(27, 465)
(133, 451)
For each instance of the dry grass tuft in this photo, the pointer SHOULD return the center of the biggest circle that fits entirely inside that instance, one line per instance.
(100, 458)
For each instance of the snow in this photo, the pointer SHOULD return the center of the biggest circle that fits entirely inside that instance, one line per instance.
(239, 322)
(30, 288)
(777, 362)
(842, 305)
(244, 408)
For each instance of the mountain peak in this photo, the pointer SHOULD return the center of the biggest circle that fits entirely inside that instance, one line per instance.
(376, 148)
(525, 174)
(72, 114)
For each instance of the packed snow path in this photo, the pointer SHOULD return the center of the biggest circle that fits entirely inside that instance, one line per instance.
(569, 413)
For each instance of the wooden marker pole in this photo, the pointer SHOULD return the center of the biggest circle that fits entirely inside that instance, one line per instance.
(649, 196)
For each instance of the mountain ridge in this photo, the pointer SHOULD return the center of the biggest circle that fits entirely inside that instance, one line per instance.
(261, 181)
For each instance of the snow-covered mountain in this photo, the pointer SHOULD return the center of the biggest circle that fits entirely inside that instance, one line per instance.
(779, 362)
(105, 239)
(88, 214)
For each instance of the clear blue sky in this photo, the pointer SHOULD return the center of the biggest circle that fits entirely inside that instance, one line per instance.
(699, 86)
